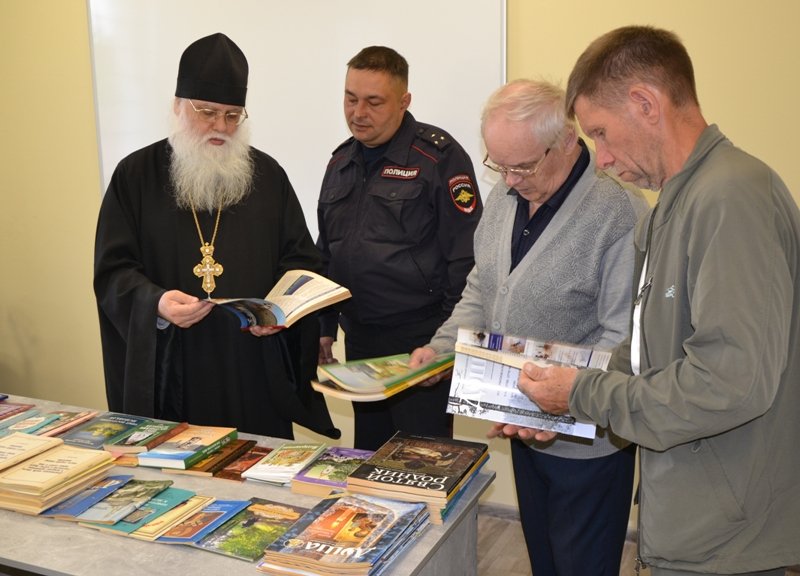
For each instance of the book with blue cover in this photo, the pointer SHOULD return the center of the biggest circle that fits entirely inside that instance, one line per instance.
(201, 523)
(188, 447)
(134, 494)
(70, 508)
(158, 505)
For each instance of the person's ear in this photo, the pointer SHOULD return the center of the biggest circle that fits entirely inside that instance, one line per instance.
(405, 101)
(646, 101)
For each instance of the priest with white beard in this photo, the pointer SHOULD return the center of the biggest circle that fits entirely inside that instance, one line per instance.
(197, 215)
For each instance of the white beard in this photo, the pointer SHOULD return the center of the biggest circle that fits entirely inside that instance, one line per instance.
(206, 176)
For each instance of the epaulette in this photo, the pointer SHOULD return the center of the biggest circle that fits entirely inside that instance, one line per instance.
(432, 135)
(343, 145)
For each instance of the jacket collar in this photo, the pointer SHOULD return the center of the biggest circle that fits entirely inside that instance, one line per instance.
(397, 152)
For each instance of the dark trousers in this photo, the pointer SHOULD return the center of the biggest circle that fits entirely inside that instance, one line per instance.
(416, 410)
(574, 513)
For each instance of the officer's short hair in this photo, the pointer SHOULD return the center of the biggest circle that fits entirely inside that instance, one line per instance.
(381, 59)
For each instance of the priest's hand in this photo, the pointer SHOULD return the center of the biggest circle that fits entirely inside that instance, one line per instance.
(265, 330)
(326, 350)
(422, 356)
(182, 309)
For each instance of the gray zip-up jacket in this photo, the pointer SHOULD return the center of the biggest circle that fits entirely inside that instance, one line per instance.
(715, 407)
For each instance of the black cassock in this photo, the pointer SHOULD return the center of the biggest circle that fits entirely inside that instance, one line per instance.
(211, 373)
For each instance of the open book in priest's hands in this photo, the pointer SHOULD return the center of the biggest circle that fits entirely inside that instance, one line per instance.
(486, 373)
(296, 294)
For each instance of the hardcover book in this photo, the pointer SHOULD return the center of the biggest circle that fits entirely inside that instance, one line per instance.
(72, 507)
(144, 437)
(349, 534)
(218, 460)
(123, 501)
(101, 429)
(425, 466)
(296, 294)
(188, 447)
(248, 533)
(329, 472)
(234, 470)
(201, 523)
(280, 465)
(17, 447)
(373, 379)
(486, 373)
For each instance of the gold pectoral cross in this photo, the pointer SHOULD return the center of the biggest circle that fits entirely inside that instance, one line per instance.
(208, 268)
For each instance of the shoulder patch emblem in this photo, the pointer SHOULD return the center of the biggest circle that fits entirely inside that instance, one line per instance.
(400, 172)
(462, 192)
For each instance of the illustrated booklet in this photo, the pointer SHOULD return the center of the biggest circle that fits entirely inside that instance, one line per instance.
(235, 469)
(126, 499)
(218, 460)
(144, 437)
(280, 465)
(248, 533)
(296, 294)
(350, 534)
(103, 428)
(329, 472)
(188, 447)
(486, 373)
(373, 379)
(155, 507)
(202, 522)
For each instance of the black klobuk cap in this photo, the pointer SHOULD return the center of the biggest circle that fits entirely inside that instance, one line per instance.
(213, 69)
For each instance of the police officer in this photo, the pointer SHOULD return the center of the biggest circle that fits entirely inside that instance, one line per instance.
(397, 211)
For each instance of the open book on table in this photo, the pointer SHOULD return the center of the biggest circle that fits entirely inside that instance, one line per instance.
(486, 373)
(297, 293)
(374, 379)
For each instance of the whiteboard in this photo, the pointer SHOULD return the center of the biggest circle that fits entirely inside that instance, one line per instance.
(297, 52)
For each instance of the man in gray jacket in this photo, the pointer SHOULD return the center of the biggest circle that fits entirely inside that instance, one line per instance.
(709, 382)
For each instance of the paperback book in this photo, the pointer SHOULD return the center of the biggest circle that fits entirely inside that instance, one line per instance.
(17, 447)
(280, 465)
(201, 523)
(17, 416)
(8, 409)
(235, 469)
(347, 534)
(67, 419)
(486, 373)
(29, 425)
(248, 533)
(188, 447)
(144, 437)
(329, 472)
(96, 432)
(76, 505)
(373, 379)
(155, 528)
(155, 507)
(296, 294)
(133, 495)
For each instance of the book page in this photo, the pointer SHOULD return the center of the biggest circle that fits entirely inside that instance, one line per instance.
(302, 291)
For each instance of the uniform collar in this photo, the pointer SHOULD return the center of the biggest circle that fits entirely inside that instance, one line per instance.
(398, 147)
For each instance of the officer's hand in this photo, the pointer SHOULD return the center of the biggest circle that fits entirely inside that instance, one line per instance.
(326, 351)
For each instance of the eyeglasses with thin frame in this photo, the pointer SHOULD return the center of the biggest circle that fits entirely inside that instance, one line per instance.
(521, 172)
(210, 115)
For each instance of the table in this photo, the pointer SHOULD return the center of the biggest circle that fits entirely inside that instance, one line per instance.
(35, 545)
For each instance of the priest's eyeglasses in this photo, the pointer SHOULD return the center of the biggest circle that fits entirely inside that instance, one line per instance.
(210, 115)
(521, 172)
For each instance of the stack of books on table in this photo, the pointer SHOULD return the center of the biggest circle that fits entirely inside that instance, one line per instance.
(417, 468)
(188, 447)
(374, 379)
(284, 462)
(39, 472)
(346, 534)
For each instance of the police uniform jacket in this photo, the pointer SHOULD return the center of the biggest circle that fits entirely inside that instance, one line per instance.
(398, 233)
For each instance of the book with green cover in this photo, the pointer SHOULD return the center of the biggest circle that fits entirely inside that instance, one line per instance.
(144, 437)
(99, 430)
(188, 447)
(123, 501)
(373, 379)
(246, 535)
(159, 504)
